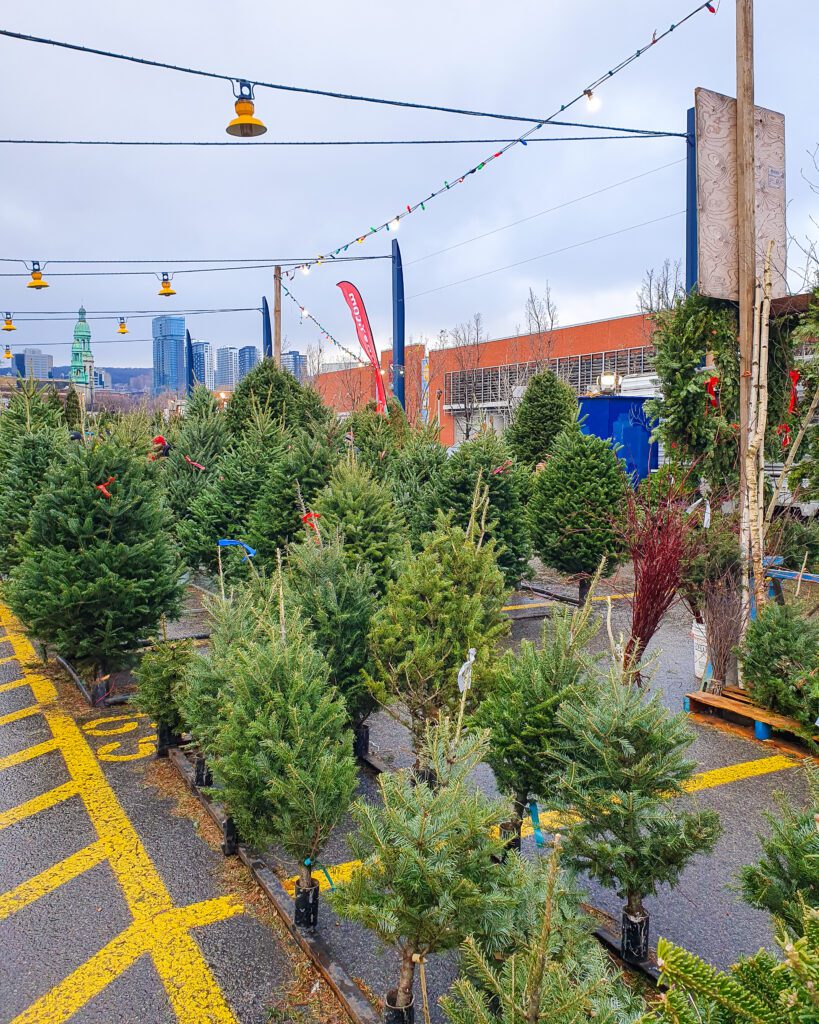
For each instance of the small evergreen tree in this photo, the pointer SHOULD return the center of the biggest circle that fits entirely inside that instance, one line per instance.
(72, 412)
(446, 600)
(159, 677)
(362, 511)
(378, 438)
(520, 711)
(269, 390)
(428, 872)
(624, 762)
(97, 571)
(337, 601)
(28, 412)
(786, 878)
(199, 437)
(574, 505)
(415, 468)
(548, 407)
(487, 458)
(296, 474)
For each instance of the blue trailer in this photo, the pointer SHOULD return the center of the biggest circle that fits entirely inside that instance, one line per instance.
(623, 420)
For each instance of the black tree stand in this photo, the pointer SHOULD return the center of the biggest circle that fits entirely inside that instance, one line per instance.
(361, 739)
(398, 1014)
(634, 936)
(165, 739)
(202, 777)
(230, 838)
(307, 904)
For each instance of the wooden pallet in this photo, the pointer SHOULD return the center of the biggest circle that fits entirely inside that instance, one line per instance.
(743, 707)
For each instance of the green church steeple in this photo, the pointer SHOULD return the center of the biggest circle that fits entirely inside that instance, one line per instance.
(82, 360)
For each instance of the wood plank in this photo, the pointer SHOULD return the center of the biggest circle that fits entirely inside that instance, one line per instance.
(746, 710)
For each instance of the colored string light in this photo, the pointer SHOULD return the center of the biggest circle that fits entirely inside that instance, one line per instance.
(309, 316)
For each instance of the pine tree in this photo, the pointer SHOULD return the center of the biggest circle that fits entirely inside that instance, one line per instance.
(28, 411)
(548, 407)
(415, 468)
(97, 572)
(521, 709)
(271, 391)
(222, 509)
(362, 511)
(445, 601)
(487, 458)
(786, 877)
(337, 600)
(428, 872)
(296, 474)
(575, 503)
(159, 677)
(72, 412)
(378, 438)
(624, 762)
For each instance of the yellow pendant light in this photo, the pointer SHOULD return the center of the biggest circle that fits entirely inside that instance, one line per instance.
(122, 329)
(165, 287)
(8, 326)
(245, 125)
(37, 280)
(8, 352)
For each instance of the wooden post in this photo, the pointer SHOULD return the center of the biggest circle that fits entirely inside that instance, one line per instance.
(277, 316)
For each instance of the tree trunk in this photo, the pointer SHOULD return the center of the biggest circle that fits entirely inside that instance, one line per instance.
(305, 878)
(583, 588)
(406, 977)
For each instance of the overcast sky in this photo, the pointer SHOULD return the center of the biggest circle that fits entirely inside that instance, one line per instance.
(165, 204)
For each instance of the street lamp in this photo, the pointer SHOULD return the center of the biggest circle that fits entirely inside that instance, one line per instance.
(37, 281)
(245, 125)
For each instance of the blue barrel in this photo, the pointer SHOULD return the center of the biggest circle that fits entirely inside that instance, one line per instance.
(622, 420)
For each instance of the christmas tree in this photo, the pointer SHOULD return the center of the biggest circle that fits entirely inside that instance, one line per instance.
(575, 502)
(269, 390)
(222, 509)
(430, 870)
(73, 412)
(98, 567)
(295, 475)
(487, 458)
(378, 438)
(29, 410)
(159, 677)
(624, 763)
(446, 601)
(337, 600)
(520, 712)
(548, 407)
(362, 511)
(414, 469)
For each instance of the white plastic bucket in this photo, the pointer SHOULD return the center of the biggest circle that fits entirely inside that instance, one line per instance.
(700, 648)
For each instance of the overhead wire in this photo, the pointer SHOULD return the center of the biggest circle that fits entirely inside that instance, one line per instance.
(305, 313)
(624, 133)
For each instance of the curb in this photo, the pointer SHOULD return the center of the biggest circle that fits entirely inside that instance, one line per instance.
(611, 942)
(356, 1005)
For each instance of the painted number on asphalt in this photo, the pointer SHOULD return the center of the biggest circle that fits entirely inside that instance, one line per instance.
(118, 725)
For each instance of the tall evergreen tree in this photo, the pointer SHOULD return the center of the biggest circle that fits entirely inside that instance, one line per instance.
(446, 600)
(548, 407)
(269, 390)
(28, 411)
(296, 474)
(72, 412)
(415, 468)
(487, 458)
(574, 505)
(98, 567)
(428, 872)
(378, 438)
(362, 511)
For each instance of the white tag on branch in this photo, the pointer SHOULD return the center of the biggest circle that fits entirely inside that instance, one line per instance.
(465, 672)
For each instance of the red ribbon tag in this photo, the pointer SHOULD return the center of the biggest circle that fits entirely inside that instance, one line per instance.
(192, 464)
(502, 468)
(309, 520)
(794, 376)
(785, 433)
(711, 388)
(103, 488)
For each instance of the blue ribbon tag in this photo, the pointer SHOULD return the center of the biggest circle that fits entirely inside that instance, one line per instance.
(238, 544)
(539, 840)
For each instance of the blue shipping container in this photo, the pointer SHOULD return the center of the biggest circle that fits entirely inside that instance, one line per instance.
(622, 419)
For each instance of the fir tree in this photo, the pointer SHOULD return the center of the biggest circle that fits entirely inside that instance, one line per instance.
(486, 458)
(521, 710)
(28, 411)
(269, 390)
(295, 475)
(624, 762)
(428, 872)
(72, 412)
(97, 571)
(574, 505)
(378, 438)
(222, 509)
(786, 878)
(337, 600)
(362, 511)
(415, 468)
(548, 407)
(446, 600)
(159, 677)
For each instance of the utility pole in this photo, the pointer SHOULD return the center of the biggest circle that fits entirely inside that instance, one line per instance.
(277, 316)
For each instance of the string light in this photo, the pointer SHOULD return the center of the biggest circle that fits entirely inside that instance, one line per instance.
(593, 101)
(305, 269)
(325, 333)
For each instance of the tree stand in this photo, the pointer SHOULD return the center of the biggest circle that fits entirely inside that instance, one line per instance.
(583, 588)
(202, 777)
(307, 904)
(510, 834)
(398, 1014)
(634, 937)
(165, 738)
(361, 739)
(101, 690)
(230, 838)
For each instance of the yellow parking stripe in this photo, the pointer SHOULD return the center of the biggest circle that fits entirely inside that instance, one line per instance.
(29, 754)
(16, 716)
(37, 804)
(50, 879)
(13, 686)
(735, 772)
(552, 604)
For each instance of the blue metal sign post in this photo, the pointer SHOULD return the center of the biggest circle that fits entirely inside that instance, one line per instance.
(397, 325)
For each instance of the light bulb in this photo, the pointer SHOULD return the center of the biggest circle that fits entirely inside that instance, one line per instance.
(395, 224)
(304, 268)
(593, 101)
(304, 312)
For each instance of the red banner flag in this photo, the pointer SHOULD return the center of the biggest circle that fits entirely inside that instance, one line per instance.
(364, 333)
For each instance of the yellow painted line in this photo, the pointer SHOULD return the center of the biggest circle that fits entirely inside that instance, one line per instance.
(13, 686)
(199, 1004)
(735, 772)
(16, 716)
(29, 754)
(159, 928)
(50, 879)
(551, 604)
(37, 804)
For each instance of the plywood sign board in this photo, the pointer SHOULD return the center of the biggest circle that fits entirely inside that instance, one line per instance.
(716, 125)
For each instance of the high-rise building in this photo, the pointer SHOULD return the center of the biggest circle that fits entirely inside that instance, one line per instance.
(227, 367)
(18, 364)
(102, 379)
(37, 364)
(170, 364)
(203, 363)
(296, 363)
(248, 358)
(82, 359)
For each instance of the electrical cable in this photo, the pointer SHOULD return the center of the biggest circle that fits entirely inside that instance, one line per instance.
(633, 133)
(152, 273)
(304, 313)
(132, 314)
(543, 255)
